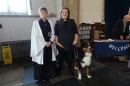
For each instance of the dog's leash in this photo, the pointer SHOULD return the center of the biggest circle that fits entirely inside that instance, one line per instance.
(75, 51)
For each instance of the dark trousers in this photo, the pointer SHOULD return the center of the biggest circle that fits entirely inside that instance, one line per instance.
(48, 69)
(65, 55)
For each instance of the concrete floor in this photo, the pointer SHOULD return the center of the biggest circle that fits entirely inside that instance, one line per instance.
(13, 75)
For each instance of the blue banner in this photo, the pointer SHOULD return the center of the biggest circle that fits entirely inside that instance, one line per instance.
(117, 47)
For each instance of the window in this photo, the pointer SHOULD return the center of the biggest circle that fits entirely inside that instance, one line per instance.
(14, 7)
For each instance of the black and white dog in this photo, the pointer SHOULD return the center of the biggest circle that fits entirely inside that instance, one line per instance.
(83, 59)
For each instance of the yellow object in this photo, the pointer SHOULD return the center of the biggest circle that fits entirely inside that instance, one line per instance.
(7, 54)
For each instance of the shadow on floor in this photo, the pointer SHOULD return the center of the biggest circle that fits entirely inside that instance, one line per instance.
(68, 82)
(106, 77)
(29, 73)
(105, 72)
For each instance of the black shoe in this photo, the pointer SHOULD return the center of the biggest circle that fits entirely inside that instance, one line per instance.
(126, 69)
(46, 79)
(71, 73)
(38, 83)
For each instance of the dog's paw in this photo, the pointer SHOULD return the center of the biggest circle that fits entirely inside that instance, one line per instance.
(79, 78)
(76, 68)
(88, 76)
(83, 65)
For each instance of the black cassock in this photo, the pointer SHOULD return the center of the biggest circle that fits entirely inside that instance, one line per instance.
(49, 68)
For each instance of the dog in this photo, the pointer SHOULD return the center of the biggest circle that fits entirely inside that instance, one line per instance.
(83, 59)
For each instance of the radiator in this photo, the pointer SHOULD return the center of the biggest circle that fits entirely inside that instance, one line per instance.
(18, 48)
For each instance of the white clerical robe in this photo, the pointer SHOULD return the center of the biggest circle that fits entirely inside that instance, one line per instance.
(38, 43)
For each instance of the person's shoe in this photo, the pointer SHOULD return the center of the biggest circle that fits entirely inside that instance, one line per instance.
(47, 79)
(126, 69)
(38, 83)
(71, 73)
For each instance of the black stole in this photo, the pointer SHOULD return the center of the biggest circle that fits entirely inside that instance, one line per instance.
(46, 29)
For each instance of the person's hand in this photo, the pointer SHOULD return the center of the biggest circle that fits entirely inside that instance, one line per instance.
(127, 37)
(48, 44)
(74, 42)
(121, 37)
(59, 45)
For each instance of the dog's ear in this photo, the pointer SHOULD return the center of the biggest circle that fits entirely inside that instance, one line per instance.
(85, 45)
(84, 50)
(81, 42)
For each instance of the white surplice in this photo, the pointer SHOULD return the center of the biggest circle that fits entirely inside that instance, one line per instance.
(38, 43)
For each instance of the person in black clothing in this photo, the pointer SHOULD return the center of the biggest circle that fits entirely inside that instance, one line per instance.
(42, 48)
(66, 35)
(122, 33)
(122, 28)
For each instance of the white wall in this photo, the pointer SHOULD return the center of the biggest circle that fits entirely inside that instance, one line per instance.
(59, 7)
(49, 4)
(19, 28)
(91, 11)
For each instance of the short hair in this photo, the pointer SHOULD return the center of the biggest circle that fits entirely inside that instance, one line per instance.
(42, 8)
